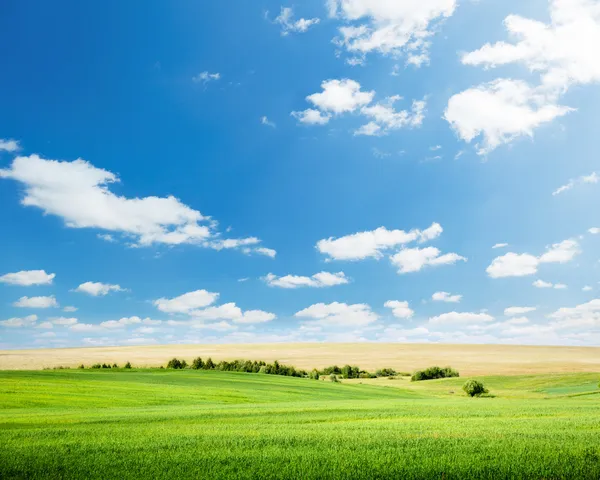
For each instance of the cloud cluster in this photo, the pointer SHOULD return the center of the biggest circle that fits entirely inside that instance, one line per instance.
(562, 52)
(389, 27)
(289, 25)
(79, 193)
(98, 289)
(346, 96)
(36, 302)
(446, 297)
(338, 315)
(26, 278)
(400, 309)
(523, 264)
(318, 280)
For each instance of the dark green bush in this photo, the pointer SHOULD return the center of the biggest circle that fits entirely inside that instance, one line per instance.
(197, 364)
(128, 365)
(474, 388)
(333, 378)
(350, 371)
(115, 365)
(177, 364)
(432, 373)
(81, 367)
(96, 365)
(104, 365)
(333, 369)
(314, 374)
(209, 365)
(385, 372)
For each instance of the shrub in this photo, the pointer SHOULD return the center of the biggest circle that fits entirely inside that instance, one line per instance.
(115, 365)
(128, 365)
(263, 370)
(81, 367)
(314, 374)
(473, 388)
(385, 372)
(209, 365)
(333, 369)
(366, 375)
(96, 365)
(177, 364)
(333, 378)
(350, 372)
(432, 373)
(104, 365)
(197, 364)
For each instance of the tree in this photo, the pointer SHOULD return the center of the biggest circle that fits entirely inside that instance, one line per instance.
(197, 364)
(128, 365)
(209, 365)
(314, 375)
(474, 388)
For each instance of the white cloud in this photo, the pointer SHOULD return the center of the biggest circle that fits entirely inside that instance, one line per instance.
(27, 321)
(594, 230)
(97, 289)
(106, 237)
(69, 309)
(586, 315)
(311, 116)
(389, 27)
(338, 315)
(186, 302)
(523, 264)
(361, 245)
(587, 288)
(517, 321)
(79, 193)
(542, 284)
(45, 325)
(400, 309)
(446, 297)
(63, 321)
(499, 112)
(414, 259)
(340, 96)
(9, 146)
(435, 148)
(384, 118)
(36, 302)
(28, 277)
(451, 318)
(500, 245)
(265, 121)
(267, 252)
(562, 52)
(591, 178)
(85, 327)
(205, 77)
(512, 311)
(218, 326)
(230, 311)
(122, 323)
(318, 280)
(288, 25)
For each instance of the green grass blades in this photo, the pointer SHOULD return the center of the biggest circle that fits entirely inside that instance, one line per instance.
(214, 425)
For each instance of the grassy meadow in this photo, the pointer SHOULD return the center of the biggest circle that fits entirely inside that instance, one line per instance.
(209, 424)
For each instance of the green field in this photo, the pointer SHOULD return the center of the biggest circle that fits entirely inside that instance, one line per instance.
(209, 424)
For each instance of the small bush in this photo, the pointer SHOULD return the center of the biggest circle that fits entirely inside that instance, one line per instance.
(176, 364)
(96, 365)
(333, 378)
(81, 367)
(432, 373)
(314, 375)
(128, 365)
(115, 365)
(473, 388)
(104, 365)
(385, 372)
(197, 364)
(333, 369)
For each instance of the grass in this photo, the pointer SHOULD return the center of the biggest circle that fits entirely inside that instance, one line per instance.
(199, 424)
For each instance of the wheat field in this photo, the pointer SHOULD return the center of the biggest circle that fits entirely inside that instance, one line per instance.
(468, 359)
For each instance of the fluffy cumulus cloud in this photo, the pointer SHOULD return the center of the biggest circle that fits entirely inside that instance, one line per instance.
(338, 315)
(512, 311)
(98, 289)
(523, 264)
(499, 112)
(346, 96)
(388, 27)
(400, 309)
(10, 146)
(318, 280)
(121, 323)
(36, 302)
(79, 193)
(561, 51)
(27, 321)
(288, 25)
(206, 77)
(361, 245)
(585, 316)
(446, 297)
(415, 259)
(453, 318)
(186, 302)
(231, 312)
(63, 321)
(27, 278)
(591, 178)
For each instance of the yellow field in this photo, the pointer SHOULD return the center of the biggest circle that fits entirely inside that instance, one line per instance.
(468, 359)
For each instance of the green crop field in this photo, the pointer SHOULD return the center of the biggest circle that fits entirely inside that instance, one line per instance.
(209, 424)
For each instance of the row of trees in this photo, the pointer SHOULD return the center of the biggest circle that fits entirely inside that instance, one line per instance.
(105, 365)
(247, 366)
(432, 373)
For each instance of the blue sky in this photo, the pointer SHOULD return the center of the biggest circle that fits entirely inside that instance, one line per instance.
(315, 171)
